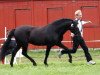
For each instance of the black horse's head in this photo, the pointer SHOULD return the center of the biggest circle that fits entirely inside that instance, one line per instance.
(74, 23)
(69, 23)
(74, 29)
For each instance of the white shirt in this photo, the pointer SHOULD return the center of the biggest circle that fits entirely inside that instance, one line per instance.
(80, 25)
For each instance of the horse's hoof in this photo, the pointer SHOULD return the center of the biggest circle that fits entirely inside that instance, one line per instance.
(70, 60)
(11, 65)
(34, 64)
(46, 65)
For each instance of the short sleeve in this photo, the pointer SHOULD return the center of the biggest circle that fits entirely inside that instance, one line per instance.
(83, 22)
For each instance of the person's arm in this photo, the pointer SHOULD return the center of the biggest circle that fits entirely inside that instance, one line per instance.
(85, 22)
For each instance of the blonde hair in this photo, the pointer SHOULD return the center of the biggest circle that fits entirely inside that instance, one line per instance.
(78, 12)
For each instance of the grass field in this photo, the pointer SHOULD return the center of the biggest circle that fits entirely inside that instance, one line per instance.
(56, 66)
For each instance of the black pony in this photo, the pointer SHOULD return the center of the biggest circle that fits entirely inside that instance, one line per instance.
(49, 35)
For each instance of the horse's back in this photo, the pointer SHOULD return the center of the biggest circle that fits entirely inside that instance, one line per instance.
(33, 35)
(25, 28)
(38, 36)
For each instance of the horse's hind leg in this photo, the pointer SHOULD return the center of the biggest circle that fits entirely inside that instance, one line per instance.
(13, 54)
(24, 52)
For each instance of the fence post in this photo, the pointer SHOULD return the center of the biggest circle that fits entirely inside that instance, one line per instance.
(3, 60)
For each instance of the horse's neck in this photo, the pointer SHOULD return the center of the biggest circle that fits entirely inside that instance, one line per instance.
(59, 28)
(61, 31)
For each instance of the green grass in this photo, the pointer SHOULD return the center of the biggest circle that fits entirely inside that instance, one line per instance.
(56, 66)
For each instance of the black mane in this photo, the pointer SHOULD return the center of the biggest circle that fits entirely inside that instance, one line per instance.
(60, 21)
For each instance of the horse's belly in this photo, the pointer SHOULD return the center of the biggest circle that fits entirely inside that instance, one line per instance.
(37, 41)
(38, 44)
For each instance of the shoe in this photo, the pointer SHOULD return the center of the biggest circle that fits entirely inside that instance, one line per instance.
(60, 54)
(91, 62)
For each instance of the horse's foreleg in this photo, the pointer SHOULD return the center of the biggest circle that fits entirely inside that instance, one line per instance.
(46, 55)
(13, 55)
(64, 47)
(24, 52)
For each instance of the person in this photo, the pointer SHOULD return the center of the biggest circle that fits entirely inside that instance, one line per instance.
(10, 48)
(78, 17)
(78, 39)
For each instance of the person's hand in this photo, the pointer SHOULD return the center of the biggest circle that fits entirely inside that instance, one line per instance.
(89, 21)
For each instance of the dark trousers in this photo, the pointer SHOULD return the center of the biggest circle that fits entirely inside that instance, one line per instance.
(78, 40)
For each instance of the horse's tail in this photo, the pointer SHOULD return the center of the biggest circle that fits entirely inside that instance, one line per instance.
(6, 44)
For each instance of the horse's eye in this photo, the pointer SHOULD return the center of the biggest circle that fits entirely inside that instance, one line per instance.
(72, 25)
